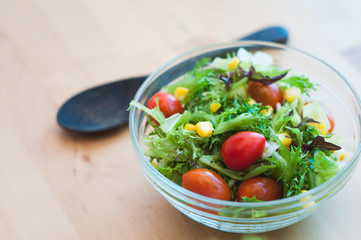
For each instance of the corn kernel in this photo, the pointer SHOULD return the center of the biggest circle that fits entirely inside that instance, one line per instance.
(215, 107)
(292, 93)
(268, 112)
(342, 157)
(204, 129)
(320, 128)
(180, 93)
(251, 101)
(190, 127)
(233, 64)
(285, 139)
(340, 154)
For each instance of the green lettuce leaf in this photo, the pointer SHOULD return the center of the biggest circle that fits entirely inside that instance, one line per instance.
(315, 111)
(221, 63)
(300, 82)
(245, 122)
(155, 112)
(325, 167)
(175, 121)
(174, 171)
(190, 79)
(252, 199)
(284, 115)
(292, 167)
(256, 169)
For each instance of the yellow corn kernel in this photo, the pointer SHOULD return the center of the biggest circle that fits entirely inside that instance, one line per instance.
(190, 127)
(268, 112)
(233, 64)
(204, 129)
(251, 101)
(215, 107)
(342, 157)
(340, 154)
(292, 94)
(320, 128)
(180, 93)
(285, 139)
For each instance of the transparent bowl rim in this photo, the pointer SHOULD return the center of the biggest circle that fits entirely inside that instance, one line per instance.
(197, 197)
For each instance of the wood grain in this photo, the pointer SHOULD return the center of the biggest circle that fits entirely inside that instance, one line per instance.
(58, 185)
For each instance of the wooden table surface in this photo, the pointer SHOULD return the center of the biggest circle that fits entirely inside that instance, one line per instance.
(57, 185)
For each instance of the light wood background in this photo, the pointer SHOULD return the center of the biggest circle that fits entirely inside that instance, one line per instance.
(56, 185)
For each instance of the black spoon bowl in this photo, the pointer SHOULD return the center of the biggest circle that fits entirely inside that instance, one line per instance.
(100, 108)
(104, 107)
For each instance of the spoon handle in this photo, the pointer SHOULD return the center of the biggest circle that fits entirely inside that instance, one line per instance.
(275, 34)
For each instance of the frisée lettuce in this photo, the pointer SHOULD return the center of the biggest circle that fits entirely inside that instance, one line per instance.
(217, 92)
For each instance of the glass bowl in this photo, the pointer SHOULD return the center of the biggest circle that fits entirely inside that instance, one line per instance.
(248, 217)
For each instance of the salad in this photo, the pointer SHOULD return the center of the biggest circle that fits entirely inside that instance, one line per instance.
(241, 128)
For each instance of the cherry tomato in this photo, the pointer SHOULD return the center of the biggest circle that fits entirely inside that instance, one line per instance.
(242, 149)
(168, 104)
(207, 183)
(263, 188)
(267, 95)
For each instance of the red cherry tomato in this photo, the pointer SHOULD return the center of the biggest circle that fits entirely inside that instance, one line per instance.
(207, 183)
(168, 104)
(263, 188)
(242, 149)
(267, 95)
